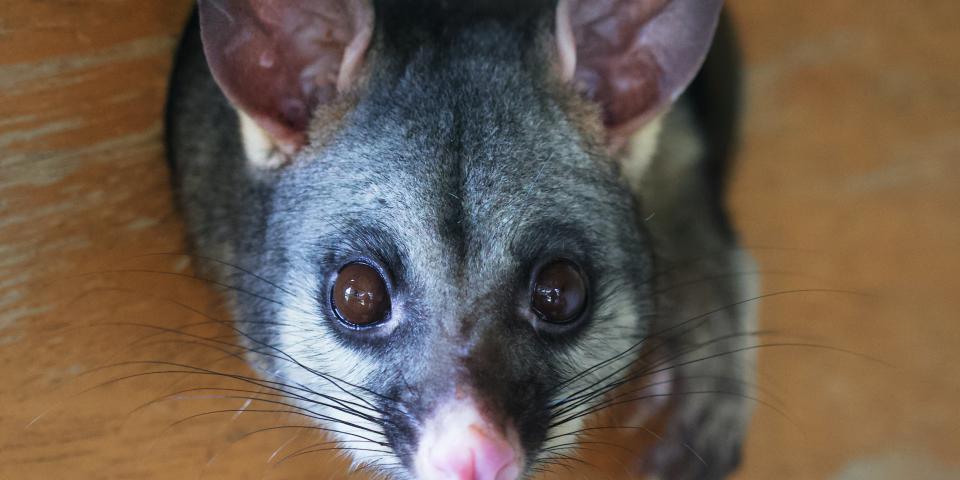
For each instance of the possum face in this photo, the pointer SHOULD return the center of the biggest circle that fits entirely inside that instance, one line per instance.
(463, 276)
(463, 268)
(463, 257)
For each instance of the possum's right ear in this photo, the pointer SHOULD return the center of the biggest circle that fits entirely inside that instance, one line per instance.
(633, 58)
(278, 60)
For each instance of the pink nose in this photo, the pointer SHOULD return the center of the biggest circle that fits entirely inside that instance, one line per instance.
(459, 444)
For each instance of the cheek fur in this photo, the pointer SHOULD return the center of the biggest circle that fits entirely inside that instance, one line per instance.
(618, 314)
(328, 370)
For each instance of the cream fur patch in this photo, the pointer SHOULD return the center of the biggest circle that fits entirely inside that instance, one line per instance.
(262, 151)
(641, 148)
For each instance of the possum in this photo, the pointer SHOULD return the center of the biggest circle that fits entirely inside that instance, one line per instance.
(458, 229)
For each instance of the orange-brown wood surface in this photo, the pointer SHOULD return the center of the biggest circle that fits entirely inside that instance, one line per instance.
(848, 180)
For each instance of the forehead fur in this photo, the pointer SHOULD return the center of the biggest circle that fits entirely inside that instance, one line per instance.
(460, 146)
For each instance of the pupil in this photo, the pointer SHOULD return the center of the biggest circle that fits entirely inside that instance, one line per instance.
(560, 292)
(360, 295)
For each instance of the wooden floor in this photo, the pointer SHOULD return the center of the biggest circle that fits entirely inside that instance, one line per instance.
(849, 180)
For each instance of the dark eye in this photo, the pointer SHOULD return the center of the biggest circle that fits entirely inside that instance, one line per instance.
(559, 292)
(360, 295)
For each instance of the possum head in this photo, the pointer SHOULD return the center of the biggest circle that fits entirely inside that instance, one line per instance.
(462, 264)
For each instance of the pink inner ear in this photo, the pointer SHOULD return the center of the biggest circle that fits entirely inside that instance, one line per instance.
(278, 60)
(357, 48)
(566, 44)
(634, 57)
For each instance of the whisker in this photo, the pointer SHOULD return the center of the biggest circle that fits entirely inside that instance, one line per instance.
(191, 370)
(564, 457)
(656, 368)
(218, 261)
(318, 450)
(586, 391)
(752, 347)
(279, 411)
(359, 415)
(580, 445)
(591, 391)
(586, 400)
(611, 404)
(197, 278)
(702, 317)
(282, 355)
(730, 275)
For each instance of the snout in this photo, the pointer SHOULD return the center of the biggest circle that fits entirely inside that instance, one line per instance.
(460, 443)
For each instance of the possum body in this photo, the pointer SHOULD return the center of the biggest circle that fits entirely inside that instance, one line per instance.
(458, 229)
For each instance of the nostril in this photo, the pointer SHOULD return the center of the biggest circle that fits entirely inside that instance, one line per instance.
(476, 455)
(460, 444)
(452, 462)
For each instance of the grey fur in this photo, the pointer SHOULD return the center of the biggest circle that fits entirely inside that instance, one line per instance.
(705, 272)
(457, 170)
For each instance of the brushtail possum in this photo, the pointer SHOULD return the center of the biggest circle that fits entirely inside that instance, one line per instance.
(454, 230)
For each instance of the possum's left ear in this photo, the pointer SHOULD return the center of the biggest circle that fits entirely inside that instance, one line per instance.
(277, 60)
(633, 57)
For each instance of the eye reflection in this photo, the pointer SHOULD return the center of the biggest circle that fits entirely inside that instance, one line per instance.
(360, 295)
(559, 292)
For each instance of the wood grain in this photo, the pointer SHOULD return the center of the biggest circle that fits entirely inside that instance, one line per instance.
(847, 180)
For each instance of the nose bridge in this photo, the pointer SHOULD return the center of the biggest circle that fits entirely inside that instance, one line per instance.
(489, 364)
(470, 309)
(465, 307)
(470, 355)
(486, 362)
(469, 340)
